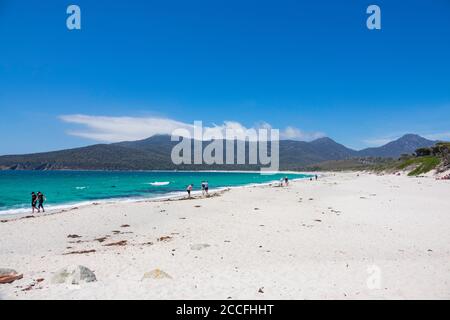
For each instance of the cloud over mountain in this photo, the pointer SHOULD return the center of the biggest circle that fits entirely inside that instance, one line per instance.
(114, 129)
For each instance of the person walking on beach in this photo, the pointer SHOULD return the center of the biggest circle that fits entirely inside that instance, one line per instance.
(40, 200)
(281, 182)
(203, 188)
(206, 187)
(286, 181)
(189, 189)
(33, 202)
(316, 176)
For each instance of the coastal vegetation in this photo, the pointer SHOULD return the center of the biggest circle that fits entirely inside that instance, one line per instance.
(422, 161)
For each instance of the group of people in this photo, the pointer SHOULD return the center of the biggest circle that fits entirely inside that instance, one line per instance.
(37, 201)
(204, 185)
(284, 182)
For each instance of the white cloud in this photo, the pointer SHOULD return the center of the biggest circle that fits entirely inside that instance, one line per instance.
(291, 133)
(115, 129)
(438, 136)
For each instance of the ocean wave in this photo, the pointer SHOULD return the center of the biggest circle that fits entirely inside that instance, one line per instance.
(80, 188)
(49, 209)
(159, 183)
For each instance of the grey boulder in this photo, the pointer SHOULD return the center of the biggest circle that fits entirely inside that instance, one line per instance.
(74, 274)
(7, 272)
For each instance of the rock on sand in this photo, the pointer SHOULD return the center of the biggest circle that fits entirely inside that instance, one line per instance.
(73, 275)
(199, 246)
(156, 274)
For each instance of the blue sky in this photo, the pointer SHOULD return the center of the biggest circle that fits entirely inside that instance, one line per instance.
(312, 66)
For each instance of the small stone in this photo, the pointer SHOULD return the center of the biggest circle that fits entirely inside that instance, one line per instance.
(199, 246)
(73, 236)
(102, 239)
(156, 274)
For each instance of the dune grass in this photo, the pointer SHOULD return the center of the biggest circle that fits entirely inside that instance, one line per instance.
(422, 164)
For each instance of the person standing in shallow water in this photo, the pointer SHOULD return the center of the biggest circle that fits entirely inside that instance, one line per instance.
(33, 202)
(40, 200)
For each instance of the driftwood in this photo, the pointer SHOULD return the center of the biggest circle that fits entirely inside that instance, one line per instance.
(79, 252)
(118, 243)
(165, 238)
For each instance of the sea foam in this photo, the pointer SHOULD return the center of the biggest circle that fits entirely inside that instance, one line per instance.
(162, 183)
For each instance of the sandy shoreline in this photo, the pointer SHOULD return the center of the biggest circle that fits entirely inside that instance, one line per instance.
(314, 239)
(176, 195)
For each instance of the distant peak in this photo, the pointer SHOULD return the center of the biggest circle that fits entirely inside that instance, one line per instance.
(323, 139)
(410, 135)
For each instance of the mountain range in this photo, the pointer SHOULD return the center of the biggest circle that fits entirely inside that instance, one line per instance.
(154, 153)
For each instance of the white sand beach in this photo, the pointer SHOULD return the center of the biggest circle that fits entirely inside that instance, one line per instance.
(345, 236)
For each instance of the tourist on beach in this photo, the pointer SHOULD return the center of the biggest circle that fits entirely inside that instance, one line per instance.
(286, 181)
(189, 189)
(203, 187)
(40, 200)
(33, 202)
(316, 176)
(281, 182)
(206, 187)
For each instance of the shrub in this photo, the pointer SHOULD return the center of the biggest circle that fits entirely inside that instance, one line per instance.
(422, 152)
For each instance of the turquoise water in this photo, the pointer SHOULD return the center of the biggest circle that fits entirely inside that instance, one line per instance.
(72, 187)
